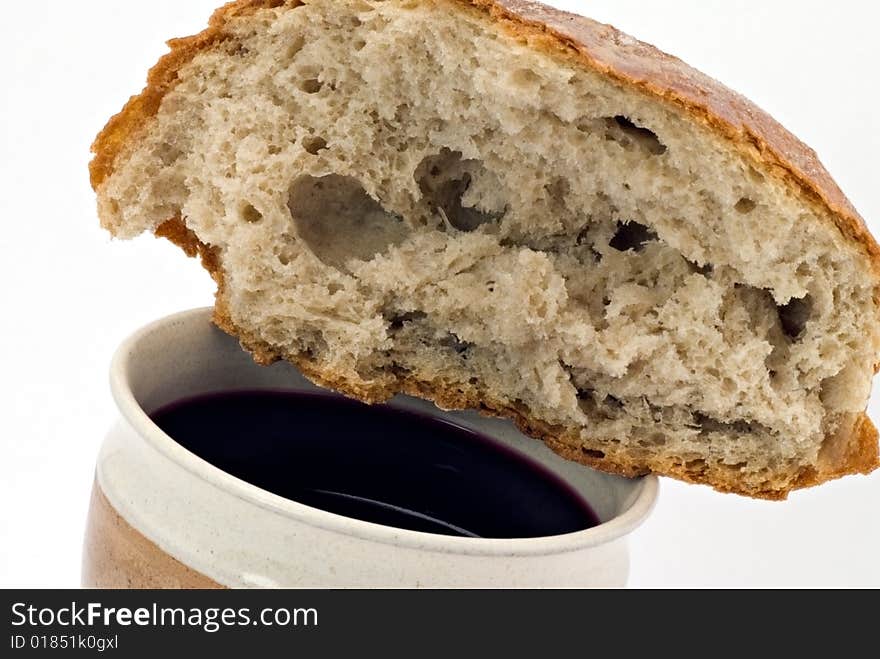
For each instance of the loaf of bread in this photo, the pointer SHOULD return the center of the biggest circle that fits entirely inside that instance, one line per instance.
(495, 205)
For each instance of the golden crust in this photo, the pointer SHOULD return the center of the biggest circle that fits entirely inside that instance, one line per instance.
(773, 151)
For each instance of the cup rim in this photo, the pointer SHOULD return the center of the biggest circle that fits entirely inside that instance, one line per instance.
(647, 488)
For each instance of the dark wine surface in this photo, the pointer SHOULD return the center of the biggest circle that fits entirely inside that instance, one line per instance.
(377, 464)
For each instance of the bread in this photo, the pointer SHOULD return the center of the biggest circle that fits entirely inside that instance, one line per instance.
(493, 204)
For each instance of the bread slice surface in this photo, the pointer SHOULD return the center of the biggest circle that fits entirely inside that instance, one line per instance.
(501, 206)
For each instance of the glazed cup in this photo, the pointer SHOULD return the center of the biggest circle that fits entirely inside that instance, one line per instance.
(161, 517)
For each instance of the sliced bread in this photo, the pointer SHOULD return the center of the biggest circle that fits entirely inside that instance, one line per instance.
(493, 204)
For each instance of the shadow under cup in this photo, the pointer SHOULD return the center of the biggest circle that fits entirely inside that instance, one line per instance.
(161, 517)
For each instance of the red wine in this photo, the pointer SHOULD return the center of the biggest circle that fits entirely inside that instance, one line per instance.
(376, 464)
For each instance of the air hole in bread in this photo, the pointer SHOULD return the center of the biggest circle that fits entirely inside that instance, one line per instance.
(558, 190)
(706, 270)
(745, 206)
(607, 407)
(314, 144)
(285, 252)
(756, 176)
(362, 6)
(169, 153)
(794, 317)
(630, 136)
(586, 395)
(397, 321)
(311, 85)
(445, 181)
(525, 78)
(233, 49)
(708, 424)
(632, 236)
(593, 453)
(250, 214)
(285, 258)
(452, 341)
(339, 221)
(614, 403)
(296, 45)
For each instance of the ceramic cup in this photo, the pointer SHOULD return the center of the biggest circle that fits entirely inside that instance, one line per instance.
(162, 517)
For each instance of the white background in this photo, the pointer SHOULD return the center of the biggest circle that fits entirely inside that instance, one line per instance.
(69, 295)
